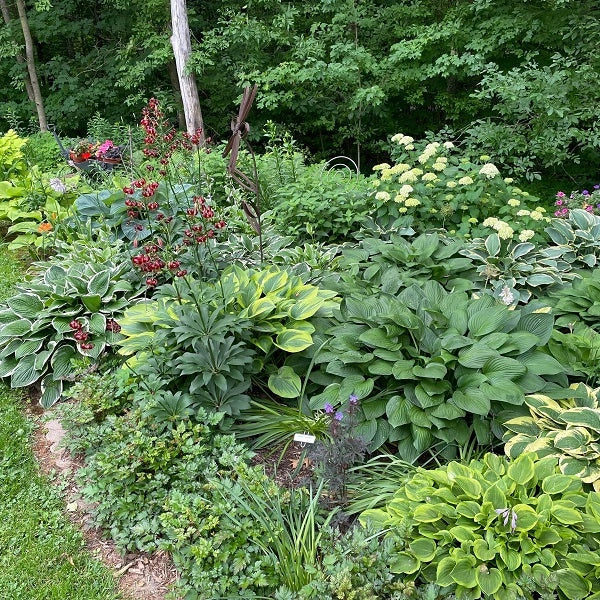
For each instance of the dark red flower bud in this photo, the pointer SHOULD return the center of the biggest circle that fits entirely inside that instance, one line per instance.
(151, 282)
(181, 273)
(75, 324)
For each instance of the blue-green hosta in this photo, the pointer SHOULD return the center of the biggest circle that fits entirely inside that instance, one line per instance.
(493, 527)
(567, 429)
(70, 311)
(432, 367)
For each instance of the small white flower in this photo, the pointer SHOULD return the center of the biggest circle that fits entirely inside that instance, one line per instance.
(448, 145)
(405, 190)
(526, 235)
(490, 222)
(429, 177)
(57, 185)
(465, 180)
(536, 215)
(523, 213)
(381, 167)
(505, 233)
(507, 296)
(412, 202)
(383, 196)
(514, 202)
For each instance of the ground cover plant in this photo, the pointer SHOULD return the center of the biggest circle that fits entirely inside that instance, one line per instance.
(431, 312)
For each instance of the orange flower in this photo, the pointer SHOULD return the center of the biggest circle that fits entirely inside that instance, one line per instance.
(44, 227)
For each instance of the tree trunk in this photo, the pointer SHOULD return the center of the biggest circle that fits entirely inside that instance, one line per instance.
(177, 91)
(182, 48)
(19, 57)
(30, 59)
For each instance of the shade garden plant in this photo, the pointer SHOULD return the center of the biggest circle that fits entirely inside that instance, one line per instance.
(428, 332)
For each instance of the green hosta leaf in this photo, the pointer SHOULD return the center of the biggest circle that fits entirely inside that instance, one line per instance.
(565, 514)
(487, 320)
(398, 411)
(540, 324)
(98, 284)
(489, 580)
(430, 371)
(472, 400)
(28, 347)
(259, 308)
(511, 558)
(427, 513)
(527, 518)
(492, 244)
(423, 549)
(556, 484)
(404, 563)
(402, 369)
(98, 324)
(25, 373)
(503, 368)
(55, 275)
(476, 356)
(61, 361)
(378, 338)
(16, 328)
(540, 363)
(8, 365)
(573, 585)
(521, 470)
(293, 340)
(482, 550)
(469, 487)
(285, 383)
(51, 391)
(92, 302)
(464, 574)
(443, 571)
(61, 324)
(306, 308)
(366, 430)
(27, 306)
(582, 416)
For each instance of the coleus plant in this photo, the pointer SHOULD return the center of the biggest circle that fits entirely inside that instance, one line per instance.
(493, 527)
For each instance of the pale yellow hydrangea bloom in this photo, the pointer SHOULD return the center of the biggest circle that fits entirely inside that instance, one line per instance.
(383, 196)
(399, 168)
(376, 183)
(526, 234)
(429, 177)
(397, 137)
(448, 145)
(490, 222)
(536, 215)
(381, 167)
(508, 180)
(523, 213)
(439, 166)
(489, 170)
(484, 158)
(418, 172)
(465, 180)
(408, 177)
(540, 209)
(451, 184)
(402, 209)
(514, 202)
(505, 233)
(386, 174)
(473, 220)
(399, 199)
(405, 190)
(409, 147)
(412, 202)
(433, 211)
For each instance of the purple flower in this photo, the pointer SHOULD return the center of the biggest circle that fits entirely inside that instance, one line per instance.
(328, 408)
(559, 203)
(339, 415)
(353, 399)
(597, 186)
(585, 193)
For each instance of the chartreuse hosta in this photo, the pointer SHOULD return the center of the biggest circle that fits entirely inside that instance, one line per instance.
(567, 429)
(70, 311)
(494, 528)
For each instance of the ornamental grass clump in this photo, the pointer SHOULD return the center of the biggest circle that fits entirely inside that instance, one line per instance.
(496, 528)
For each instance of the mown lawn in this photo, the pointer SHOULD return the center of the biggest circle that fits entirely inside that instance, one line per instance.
(42, 556)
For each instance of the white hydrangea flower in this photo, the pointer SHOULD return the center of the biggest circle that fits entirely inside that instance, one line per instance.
(399, 168)
(465, 180)
(381, 167)
(505, 233)
(439, 166)
(408, 177)
(448, 145)
(397, 137)
(514, 202)
(412, 202)
(383, 196)
(406, 140)
(536, 215)
(429, 177)
(523, 213)
(402, 209)
(405, 190)
(409, 147)
(489, 170)
(451, 184)
(526, 235)
(399, 199)
(490, 222)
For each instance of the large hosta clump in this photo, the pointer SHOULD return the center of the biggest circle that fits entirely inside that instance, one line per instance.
(433, 367)
(497, 529)
(70, 311)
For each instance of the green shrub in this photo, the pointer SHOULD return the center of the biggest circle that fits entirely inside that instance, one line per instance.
(325, 205)
(42, 150)
(578, 302)
(567, 429)
(492, 528)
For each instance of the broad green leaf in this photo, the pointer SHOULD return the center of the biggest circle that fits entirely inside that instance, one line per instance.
(285, 383)
(378, 338)
(27, 306)
(556, 484)
(293, 340)
(573, 585)
(25, 373)
(262, 307)
(92, 302)
(51, 391)
(521, 470)
(492, 244)
(464, 574)
(405, 564)
(472, 400)
(431, 371)
(423, 549)
(489, 580)
(540, 324)
(61, 361)
(98, 284)
(97, 324)
(28, 346)
(488, 320)
(398, 411)
(306, 308)
(16, 328)
(582, 416)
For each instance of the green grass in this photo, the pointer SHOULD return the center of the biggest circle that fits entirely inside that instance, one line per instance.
(42, 556)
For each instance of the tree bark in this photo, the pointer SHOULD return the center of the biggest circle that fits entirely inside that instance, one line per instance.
(182, 48)
(30, 60)
(177, 91)
(19, 57)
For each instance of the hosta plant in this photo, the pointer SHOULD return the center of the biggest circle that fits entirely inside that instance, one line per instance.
(71, 310)
(567, 429)
(432, 367)
(485, 528)
(578, 302)
(514, 272)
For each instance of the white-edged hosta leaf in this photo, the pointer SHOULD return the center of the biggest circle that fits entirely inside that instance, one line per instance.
(27, 306)
(97, 324)
(17, 328)
(61, 361)
(51, 391)
(25, 373)
(98, 284)
(7, 366)
(30, 346)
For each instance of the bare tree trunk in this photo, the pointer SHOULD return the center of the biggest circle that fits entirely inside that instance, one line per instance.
(182, 48)
(30, 59)
(177, 91)
(19, 57)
